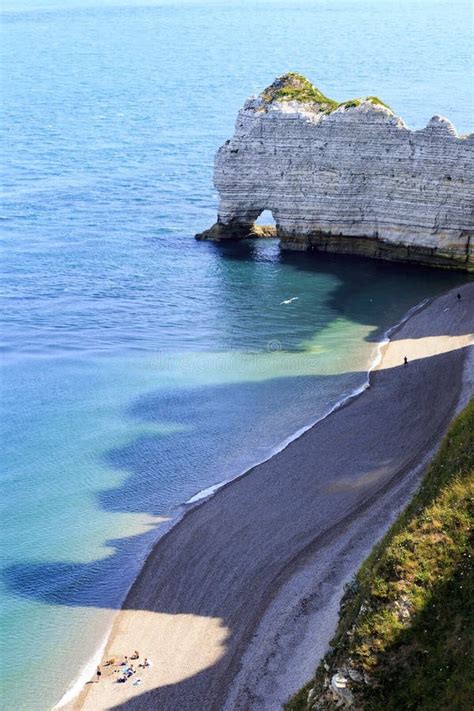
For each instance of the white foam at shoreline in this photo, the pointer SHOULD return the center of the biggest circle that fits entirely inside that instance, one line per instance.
(85, 674)
(90, 666)
(206, 493)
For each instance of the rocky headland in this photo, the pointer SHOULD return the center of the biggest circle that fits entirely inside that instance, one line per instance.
(346, 177)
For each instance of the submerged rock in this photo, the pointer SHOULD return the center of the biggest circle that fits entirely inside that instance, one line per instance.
(350, 178)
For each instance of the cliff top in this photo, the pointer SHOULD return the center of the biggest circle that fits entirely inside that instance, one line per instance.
(295, 87)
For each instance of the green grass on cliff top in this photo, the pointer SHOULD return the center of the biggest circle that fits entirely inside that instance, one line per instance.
(422, 658)
(295, 87)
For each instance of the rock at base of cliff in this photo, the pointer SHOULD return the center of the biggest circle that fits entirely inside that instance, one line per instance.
(236, 231)
(376, 248)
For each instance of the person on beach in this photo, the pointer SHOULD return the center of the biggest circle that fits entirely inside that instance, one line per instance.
(99, 674)
(405, 361)
(135, 655)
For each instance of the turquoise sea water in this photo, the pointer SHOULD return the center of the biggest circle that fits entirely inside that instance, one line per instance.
(138, 366)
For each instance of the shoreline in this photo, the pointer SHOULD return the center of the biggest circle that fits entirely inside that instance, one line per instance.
(75, 688)
(201, 499)
(202, 496)
(311, 620)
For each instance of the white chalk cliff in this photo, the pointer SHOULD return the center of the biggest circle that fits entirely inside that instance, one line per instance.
(350, 178)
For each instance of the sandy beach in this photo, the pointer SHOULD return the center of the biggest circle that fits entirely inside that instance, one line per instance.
(235, 604)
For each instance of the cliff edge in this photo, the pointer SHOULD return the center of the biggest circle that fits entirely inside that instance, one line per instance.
(346, 177)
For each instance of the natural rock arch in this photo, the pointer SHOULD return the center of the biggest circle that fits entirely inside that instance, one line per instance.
(244, 225)
(348, 177)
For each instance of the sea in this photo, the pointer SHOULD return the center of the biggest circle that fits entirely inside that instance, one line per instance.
(138, 366)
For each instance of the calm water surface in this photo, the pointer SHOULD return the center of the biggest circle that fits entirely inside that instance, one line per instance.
(139, 367)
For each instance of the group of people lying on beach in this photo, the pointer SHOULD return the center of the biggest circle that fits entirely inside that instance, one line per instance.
(126, 668)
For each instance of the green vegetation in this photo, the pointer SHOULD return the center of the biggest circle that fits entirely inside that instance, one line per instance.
(350, 104)
(406, 628)
(295, 87)
(376, 100)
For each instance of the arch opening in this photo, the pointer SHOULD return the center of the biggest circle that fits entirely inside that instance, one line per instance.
(266, 219)
(264, 225)
(242, 223)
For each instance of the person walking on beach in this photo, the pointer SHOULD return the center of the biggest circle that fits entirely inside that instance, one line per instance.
(405, 361)
(99, 674)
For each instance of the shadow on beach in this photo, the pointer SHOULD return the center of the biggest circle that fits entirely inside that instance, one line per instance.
(228, 558)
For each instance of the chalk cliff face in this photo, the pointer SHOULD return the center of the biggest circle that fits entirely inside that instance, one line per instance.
(348, 177)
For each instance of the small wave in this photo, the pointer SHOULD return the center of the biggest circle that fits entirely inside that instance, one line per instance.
(206, 493)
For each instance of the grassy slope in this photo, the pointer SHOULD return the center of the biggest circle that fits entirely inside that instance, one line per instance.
(295, 87)
(407, 623)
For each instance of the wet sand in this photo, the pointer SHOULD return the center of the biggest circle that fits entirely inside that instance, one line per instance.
(235, 604)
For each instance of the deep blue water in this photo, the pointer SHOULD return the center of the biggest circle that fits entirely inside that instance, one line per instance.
(138, 366)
